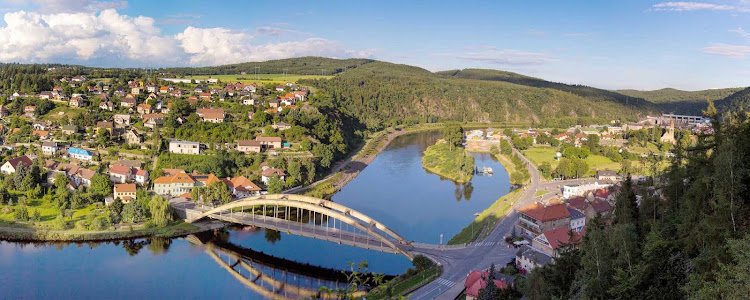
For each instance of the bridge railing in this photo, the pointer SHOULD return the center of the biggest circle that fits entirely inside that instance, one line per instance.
(437, 247)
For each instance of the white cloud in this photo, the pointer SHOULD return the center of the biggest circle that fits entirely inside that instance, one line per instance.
(693, 6)
(507, 57)
(72, 6)
(741, 32)
(108, 38)
(734, 51)
(274, 31)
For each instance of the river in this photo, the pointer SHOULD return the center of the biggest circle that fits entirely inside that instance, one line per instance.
(394, 189)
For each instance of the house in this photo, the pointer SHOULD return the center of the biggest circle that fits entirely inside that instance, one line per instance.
(269, 173)
(528, 258)
(141, 177)
(105, 125)
(107, 105)
(143, 108)
(184, 147)
(40, 133)
(80, 154)
(12, 165)
(205, 96)
(29, 111)
(132, 137)
(279, 88)
(136, 90)
(577, 220)
(4, 112)
(151, 88)
(77, 102)
(120, 174)
(39, 126)
(69, 129)
(537, 218)
(176, 93)
(122, 119)
(212, 115)
(273, 103)
(248, 146)
(163, 89)
(552, 241)
(79, 78)
(47, 95)
(153, 120)
(242, 187)
(269, 142)
(606, 175)
(125, 191)
(590, 208)
(176, 184)
(49, 148)
(282, 126)
(580, 189)
(476, 281)
(249, 101)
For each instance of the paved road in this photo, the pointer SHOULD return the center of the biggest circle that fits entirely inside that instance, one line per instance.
(492, 250)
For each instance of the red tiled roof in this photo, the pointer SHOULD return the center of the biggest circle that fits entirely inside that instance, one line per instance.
(477, 281)
(25, 159)
(120, 170)
(560, 236)
(546, 213)
(125, 187)
(270, 172)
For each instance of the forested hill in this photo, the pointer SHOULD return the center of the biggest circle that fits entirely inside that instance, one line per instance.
(590, 93)
(301, 65)
(736, 101)
(682, 102)
(380, 92)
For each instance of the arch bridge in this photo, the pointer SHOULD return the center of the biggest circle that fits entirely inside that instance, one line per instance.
(307, 216)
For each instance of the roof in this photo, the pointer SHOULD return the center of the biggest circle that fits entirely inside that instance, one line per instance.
(202, 111)
(86, 173)
(177, 178)
(534, 255)
(268, 139)
(577, 202)
(478, 280)
(120, 170)
(241, 183)
(270, 172)
(600, 206)
(183, 142)
(248, 143)
(79, 151)
(213, 115)
(560, 236)
(544, 213)
(49, 144)
(69, 127)
(141, 173)
(606, 173)
(21, 159)
(125, 187)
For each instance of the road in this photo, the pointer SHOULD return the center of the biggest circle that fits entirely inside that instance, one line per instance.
(457, 264)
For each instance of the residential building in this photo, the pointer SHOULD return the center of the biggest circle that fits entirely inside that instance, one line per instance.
(282, 126)
(132, 137)
(606, 175)
(126, 192)
(4, 112)
(143, 108)
(269, 142)
(577, 219)
(184, 147)
(120, 174)
(107, 105)
(49, 148)
(212, 115)
(122, 119)
(174, 185)
(241, 187)
(80, 154)
(269, 173)
(552, 241)
(83, 177)
(129, 101)
(141, 177)
(537, 218)
(105, 125)
(153, 120)
(77, 102)
(580, 189)
(249, 146)
(29, 111)
(12, 165)
(528, 258)
(476, 281)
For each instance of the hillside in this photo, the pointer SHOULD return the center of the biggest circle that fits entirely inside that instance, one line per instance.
(380, 92)
(589, 93)
(301, 65)
(681, 102)
(735, 101)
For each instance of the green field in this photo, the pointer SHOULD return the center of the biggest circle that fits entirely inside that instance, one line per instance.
(261, 78)
(455, 164)
(539, 155)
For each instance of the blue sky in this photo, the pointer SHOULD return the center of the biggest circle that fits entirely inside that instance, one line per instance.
(608, 44)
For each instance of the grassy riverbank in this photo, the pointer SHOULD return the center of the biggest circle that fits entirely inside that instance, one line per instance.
(403, 285)
(19, 233)
(454, 163)
(487, 219)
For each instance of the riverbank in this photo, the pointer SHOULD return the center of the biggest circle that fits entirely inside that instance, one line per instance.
(453, 163)
(17, 233)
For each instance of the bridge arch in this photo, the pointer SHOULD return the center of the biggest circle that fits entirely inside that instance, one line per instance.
(324, 207)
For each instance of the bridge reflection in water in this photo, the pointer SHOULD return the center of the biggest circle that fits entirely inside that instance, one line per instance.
(273, 277)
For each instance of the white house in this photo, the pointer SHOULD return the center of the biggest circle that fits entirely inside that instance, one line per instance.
(184, 147)
(49, 148)
(80, 154)
(10, 166)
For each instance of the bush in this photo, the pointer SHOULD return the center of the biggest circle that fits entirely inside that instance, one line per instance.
(22, 213)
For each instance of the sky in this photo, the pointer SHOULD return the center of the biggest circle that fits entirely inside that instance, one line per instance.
(606, 44)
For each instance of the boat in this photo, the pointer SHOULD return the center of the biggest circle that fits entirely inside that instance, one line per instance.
(484, 170)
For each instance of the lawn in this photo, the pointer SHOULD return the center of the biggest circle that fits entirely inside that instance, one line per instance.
(48, 210)
(261, 78)
(487, 218)
(540, 193)
(539, 155)
(454, 163)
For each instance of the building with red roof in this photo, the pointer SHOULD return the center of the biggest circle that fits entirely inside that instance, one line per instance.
(476, 281)
(551, 241)
(537, 218)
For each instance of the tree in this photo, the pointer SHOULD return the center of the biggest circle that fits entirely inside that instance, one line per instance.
(564, 169)
(101, 185)
(453, 134)
(161, 212)
(545, 169)
(4, 195)
(132, 212)
(490, 291)
(421, 262)
(103, 136)
(218, 192)
(21, 213)
(275, 185)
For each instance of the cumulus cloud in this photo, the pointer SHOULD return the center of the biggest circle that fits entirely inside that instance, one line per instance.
(507, 57)
(694, 6)
(73, 6)
(113, 39)
(734, 51)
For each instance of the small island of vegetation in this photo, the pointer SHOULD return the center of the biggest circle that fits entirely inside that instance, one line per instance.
(448, 158)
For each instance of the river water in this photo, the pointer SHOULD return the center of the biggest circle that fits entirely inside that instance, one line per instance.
(394, 189)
